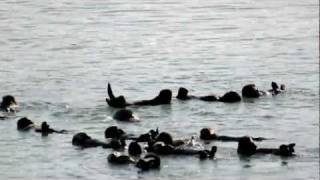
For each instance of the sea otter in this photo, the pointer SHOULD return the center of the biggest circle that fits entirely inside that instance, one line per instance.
(162, 148)
(8, 103)
(251, 91)
(149, 161)
(25, 124)
(125, 115)
(118, 158)
(163, 144)
(146, 137)
(45, 129)
(247, 147)
(114, 132)
(209, 134)
(164, 97)
(83, 140)
(228, 97)
(183, 95)
(275, 90)
(134, 149)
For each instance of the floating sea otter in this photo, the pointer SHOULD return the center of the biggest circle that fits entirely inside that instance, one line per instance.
(164, 97)
(209, 134)
(25, 124)
(164, 144)
(125, 115)
(83, 140)
(149, 161)
(228, 97)
(8, 103)
(134, 149)
(146, 137)
(251, 91)
(45, 129)
(248, 148)
(275, 88)
(115, 132)
(162, 148)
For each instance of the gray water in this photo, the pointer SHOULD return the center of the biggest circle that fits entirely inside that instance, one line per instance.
(56, 58)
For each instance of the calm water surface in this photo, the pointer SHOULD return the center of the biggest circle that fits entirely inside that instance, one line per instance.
(57, 57)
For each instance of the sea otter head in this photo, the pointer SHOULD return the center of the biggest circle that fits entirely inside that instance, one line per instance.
(250, 91)
(182, 93)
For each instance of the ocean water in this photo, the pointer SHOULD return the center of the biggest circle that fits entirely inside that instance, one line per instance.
(56, 58)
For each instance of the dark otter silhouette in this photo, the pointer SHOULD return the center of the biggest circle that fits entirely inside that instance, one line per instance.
(118, 133)
(163, 144)
(134, 149)
(275, 88)
(25, 124)
(164, 97)
(147, 137)
(7, 103)
(83, 140)
(151, 137)
(251, 91)
(183, 95)
(167, 139)
(45, 129)
(124, 115)
(204, 154)
(117, 102)
(209, 134)
(117, 158)
(114, 132)
(229, 97)
(247, 147)
(150, 161)
(166, 149)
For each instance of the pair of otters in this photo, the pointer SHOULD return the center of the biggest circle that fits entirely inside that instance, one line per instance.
(25, 124)
(9, 104)
(165, 95)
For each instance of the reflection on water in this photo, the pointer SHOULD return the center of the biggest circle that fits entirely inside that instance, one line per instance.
(57, 57)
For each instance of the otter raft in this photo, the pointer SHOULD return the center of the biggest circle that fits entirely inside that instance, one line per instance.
(159, 89)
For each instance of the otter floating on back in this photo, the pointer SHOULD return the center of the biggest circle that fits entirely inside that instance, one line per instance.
(251, 91)
(164, 97)
(209, 134)
(247, 147)
(228, 97)
(25, 124)
(83, 140)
